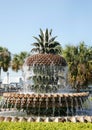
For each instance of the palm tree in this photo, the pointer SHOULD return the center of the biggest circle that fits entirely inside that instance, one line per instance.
(78, 58)
(84, 69)
(71, 55)
(5, 58)
(45, 43)
(18, 61)
(89, 65)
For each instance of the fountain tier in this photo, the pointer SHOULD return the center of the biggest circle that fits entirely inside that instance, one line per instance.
(45, 59)
(45, 73)
(46, 104)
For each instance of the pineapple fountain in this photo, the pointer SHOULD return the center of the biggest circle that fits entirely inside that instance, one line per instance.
(45, 77)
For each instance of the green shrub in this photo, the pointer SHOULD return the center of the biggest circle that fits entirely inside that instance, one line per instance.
(44, 126)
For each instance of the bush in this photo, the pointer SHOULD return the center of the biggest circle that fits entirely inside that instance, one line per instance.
(44, 126)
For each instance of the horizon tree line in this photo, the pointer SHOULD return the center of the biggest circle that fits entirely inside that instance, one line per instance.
(79, 58)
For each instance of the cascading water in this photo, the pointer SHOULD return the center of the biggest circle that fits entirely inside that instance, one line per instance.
(45, 77)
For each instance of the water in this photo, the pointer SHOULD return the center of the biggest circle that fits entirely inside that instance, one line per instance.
(44, 79)
(42, 95)
(85, 110)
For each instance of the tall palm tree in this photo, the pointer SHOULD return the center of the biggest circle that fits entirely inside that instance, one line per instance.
(89, 65)
(78, 58)
(84, 67)
(45, 43)
(18, 61)
(5, 58)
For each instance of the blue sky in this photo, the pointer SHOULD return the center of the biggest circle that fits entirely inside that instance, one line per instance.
(20, 20)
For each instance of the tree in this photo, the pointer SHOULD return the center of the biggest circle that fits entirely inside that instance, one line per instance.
(78, 58)
(18, 61)
(5, 58)
(45, 43)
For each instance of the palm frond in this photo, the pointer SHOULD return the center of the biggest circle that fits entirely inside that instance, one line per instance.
(52, 51)
(46, 44)
(36, 38)
(50, 32)
(54, 44)
(58, 49)
(35, 50)
(41, 38)
(41, 44)
(46, 35)
(41, 32)
(36, 44)
(52, 39)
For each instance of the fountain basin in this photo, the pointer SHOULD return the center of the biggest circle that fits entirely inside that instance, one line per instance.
(55, 104)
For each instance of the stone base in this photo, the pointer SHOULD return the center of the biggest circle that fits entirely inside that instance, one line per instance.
(47, 119)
